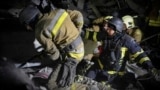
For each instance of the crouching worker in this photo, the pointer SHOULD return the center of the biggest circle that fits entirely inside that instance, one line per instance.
(114, 53)
(60, 38)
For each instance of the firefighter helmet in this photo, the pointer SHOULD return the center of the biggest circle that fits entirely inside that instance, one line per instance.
(116, 23)
(128, 21)
(28, 14)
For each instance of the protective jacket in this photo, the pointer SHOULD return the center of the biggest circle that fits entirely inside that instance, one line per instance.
(137, 34)
(77, 18)
(115, 52)
(58, 35)
(56, 32)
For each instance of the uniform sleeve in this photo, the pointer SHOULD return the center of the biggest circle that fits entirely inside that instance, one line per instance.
(46, 41)
(137, 54)
(98, 20)
(93, 35)
(77, 18)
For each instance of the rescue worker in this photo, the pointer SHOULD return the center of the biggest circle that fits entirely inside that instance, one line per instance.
(91, 45)
(116, 45)
(76, 16)
(135, 32)
(60, 38)
(131, 29)
(96, 25)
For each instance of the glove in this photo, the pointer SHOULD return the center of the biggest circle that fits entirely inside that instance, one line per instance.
(67, 73)
(156, 74)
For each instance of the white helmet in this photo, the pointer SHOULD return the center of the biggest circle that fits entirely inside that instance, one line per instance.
(129, 21)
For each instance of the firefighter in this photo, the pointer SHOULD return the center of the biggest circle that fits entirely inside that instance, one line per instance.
(116, 46)
(95, 27)
(56, 32)
(131, 29)
(90, 46)
(134, 31)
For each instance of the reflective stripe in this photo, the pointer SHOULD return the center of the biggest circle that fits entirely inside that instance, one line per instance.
(78, 56)
(123, 51)
(57, 21)
(143, 60)
(136, 54)
(87, 34)
(95, 36)
(115, 72)
(111, 72)
(155, 23)
(100, 64)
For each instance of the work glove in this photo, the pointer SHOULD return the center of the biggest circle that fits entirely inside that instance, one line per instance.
(156, 74)
(67, 73)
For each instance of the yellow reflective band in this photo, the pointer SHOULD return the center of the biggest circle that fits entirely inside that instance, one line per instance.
(95, 36)
(78, 56)
(59, 23)
(87, 34)
(136, 54)
(111, 72)
(100, 64)
(115, 72)
(155, 23)
(123, 51)
(143, 60)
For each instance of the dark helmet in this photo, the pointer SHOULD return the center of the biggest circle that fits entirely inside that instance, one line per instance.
(29, 14)
(64, 4)
(116, 24)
